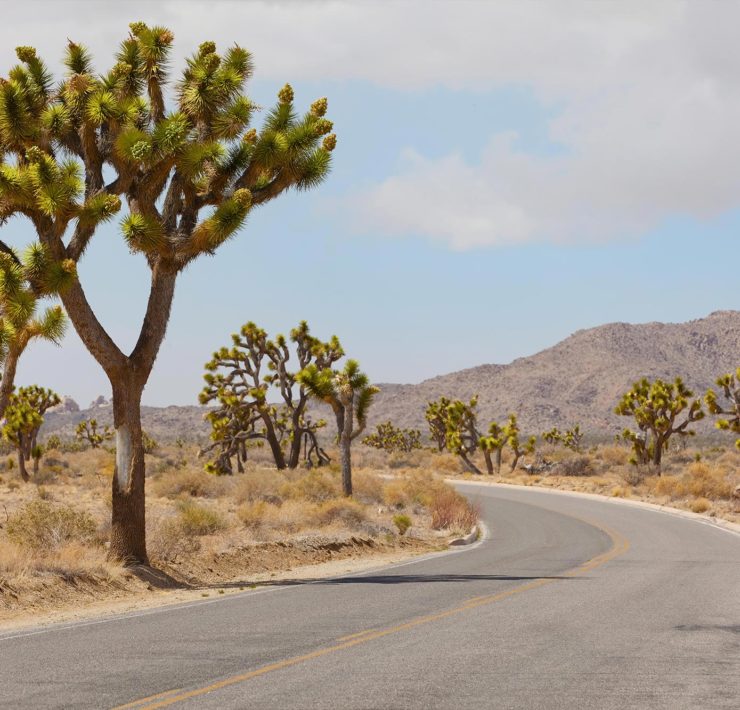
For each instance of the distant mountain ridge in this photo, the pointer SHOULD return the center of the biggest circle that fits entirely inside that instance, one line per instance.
(579, 379)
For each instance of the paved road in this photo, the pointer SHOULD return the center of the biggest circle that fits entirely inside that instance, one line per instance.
(571, 603)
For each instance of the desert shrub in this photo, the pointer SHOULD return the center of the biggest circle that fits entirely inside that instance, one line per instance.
(316, 485)
(451, 511)
(400, 459)
(343, 510)
(700, 481)
(198, 519)
(53, 443)
(631, 475)
(168, 541)
(41, 525)
(396, 494)
(613, 455)
(367, 487)
(402, 523)
(150, 444)
(576, 466)
(708, 482)
(446, 464)
(193, 482)
(256, 485)
(252, 514)
(700, 505)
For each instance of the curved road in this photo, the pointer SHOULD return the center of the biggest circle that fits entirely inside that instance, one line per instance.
(571, 603)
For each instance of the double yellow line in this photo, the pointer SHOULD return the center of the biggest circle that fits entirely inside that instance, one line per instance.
(619, 546)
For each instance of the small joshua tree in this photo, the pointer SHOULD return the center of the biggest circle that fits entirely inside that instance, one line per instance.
(493, 443)
(570, 438)
(240, 380)
(729, 385)
(660, 410)
(458, 421)
(87, 430)
(436, 415)
(24, 281)
(518, 449)
(391, 439)
(72, 153)
(349, 393)
(24, 416)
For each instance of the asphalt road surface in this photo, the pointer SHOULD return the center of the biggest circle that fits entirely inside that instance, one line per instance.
(570, 603)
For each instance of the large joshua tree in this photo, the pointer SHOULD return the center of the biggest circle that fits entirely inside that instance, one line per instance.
(71, 154)
(349, 393)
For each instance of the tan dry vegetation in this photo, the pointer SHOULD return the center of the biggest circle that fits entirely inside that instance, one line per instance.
(701, 480)
(205, 530)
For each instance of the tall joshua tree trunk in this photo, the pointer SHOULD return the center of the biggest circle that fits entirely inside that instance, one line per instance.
(128, 375)
(344, 426)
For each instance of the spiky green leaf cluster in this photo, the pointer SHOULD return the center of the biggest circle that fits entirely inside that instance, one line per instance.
(729, 412)
(88, 431)
(660, 410)
(391, 439)
(57, 147)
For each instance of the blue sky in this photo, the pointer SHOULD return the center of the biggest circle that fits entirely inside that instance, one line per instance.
(472, 215)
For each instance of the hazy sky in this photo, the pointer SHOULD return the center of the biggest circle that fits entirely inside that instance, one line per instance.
(506, 173)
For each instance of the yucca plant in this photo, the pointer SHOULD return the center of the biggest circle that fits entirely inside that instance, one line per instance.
(729, 413)
(241, 380)
(24, 416)
(189, 173)
(660, 410)
(88, 430)
(349, 393)
(24, 281)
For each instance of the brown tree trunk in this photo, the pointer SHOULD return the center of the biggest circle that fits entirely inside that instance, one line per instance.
(7, 382)
(22, 460)
(489, 461)
(128, 525)
(498, 459)
(469, 464)
(272, 440)
(345, 446)
(658, 453)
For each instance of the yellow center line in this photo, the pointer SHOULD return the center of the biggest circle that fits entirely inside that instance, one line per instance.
(352, 636)
(141, 701)
(620, 545)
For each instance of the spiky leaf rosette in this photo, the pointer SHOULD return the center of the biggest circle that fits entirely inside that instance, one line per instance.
(729, 409)
(190, 172)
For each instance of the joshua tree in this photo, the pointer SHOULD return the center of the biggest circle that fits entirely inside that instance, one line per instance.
(570, 438)
(657, 407)
(389, 438)
(729, 385)
(240, 380)
(349, 393)
(511, 433)
(24, 416)
(493, 442)
(71, 153)
(436, 414)
(459, 423)
(23, 281)
(87, 430)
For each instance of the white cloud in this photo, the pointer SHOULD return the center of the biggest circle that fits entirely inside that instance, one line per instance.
(647, 99)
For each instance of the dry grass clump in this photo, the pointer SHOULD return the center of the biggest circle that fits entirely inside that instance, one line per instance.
(451, 511)
(367, 487)
(257, 484)
(199, 519)
(701, 480)
(341, 510)
(317, 485)
(191, 481)
(39, 525)
(70, 561)
(700, 505)
(613, 455)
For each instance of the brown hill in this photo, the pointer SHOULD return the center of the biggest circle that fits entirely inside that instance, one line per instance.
(579, 379)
